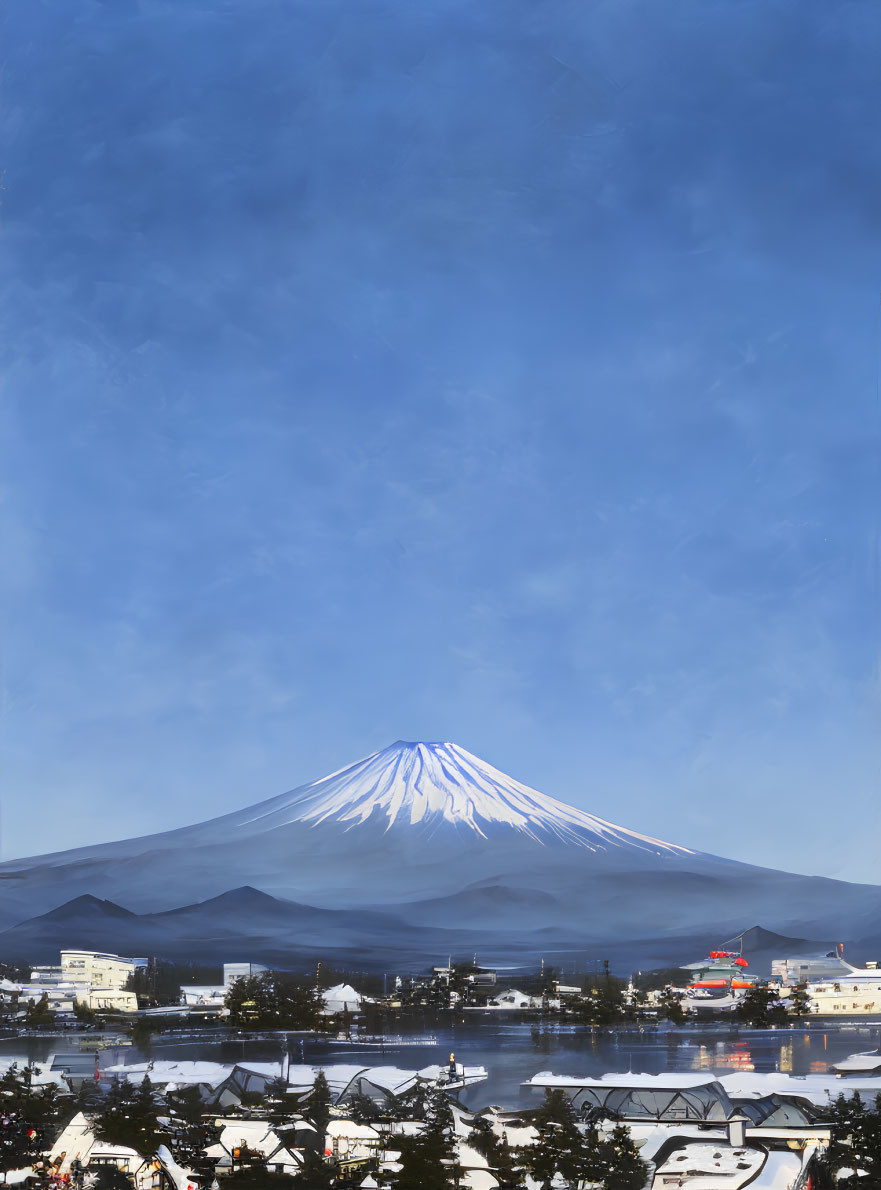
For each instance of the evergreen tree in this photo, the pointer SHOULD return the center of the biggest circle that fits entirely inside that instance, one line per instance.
(856, 1140)
(429, 1160)
(670, 1006)
(624, 1169)
(580, 1155)
(88, 1097)
(318, 1103)
(274, 1000)
(29, 1118)
(499, 1155)
(128, 1116)
(363, 1109)
(559, 1144)
(38, 1014)
(191, 1133)
(316, 1173)
(800, 1001)
(762, 1007)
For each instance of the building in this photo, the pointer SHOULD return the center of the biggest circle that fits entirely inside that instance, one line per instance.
(721, 973)
(856, 994)
(513, 999)
(227, 1086)
(769, 1102)
(97, 969)
(233, 971)
(341, 999)
(799, 968)
(214, 995)
(92, 978)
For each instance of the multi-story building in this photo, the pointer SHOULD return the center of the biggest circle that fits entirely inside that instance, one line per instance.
(92, 978)
(858, 993)
(97, 969)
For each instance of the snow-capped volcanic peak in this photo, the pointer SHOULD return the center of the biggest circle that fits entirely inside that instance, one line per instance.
(430, 784)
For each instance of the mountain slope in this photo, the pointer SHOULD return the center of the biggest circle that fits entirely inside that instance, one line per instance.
(434, 839)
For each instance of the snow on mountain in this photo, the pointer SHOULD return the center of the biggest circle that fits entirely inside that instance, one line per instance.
(429, 784)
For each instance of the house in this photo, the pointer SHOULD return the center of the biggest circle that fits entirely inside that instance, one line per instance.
(77, 1144)
(238, 1137)
(339, 999)
(346, 1140)
(513, 999)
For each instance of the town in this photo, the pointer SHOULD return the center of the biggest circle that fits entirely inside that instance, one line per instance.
(78, 1115)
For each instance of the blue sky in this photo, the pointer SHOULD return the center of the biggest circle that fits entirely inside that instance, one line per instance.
(490, 371)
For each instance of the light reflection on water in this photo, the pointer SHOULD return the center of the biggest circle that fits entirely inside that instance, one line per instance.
(514, 1052)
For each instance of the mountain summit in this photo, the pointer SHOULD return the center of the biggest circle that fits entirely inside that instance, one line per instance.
(428, 785)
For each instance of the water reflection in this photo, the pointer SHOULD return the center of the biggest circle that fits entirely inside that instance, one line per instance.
(511, 1052)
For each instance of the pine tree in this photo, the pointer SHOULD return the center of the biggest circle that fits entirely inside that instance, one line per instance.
(856, 1139)
(128, 1116)
(274, 1000)
(800, 1001)
(670, 1006)
(316, 1173)
(762, 1007)
(499, 1155)
(429, 1160)
(558, 1148)
(363, 1109)
(318, 1103)
(624, 1168)
(29, 1119)
(38, 1014)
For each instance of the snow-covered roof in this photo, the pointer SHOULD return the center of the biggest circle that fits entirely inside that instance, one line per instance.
(390, 1080)
(258, 1136)
(42, 1073)
(863, 1063)
(740, 1084)
(182, 1074)
(351, 1130)
(659, 1081)
(74, 1141)
(342, 998)
(709, 1166)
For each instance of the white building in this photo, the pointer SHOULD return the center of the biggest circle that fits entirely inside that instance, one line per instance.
(340, 999)
(97, 969)
(89, 977)
(810, 967)
(512, 998)
(855, 994)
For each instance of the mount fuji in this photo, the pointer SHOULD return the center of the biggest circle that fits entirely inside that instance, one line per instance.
(418, 849)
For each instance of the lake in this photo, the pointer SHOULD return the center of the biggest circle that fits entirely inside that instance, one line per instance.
(512, 1052)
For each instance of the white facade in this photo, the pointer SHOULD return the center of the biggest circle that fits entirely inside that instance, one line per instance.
(87, 977)
(96, 969)
(857, 994)
(108, 1000)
